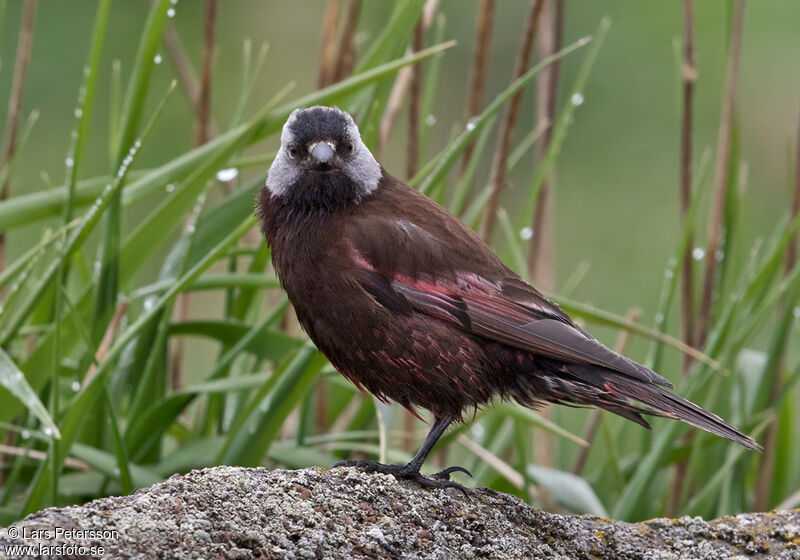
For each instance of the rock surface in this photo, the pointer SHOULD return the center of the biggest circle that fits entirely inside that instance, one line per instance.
(227, 512)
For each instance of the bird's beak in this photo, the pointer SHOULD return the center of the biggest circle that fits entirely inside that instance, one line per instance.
(322, 151)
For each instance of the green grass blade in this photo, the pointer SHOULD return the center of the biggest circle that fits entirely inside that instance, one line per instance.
(430, 87)
(27, 208)
(106, 463)
(83, 111)
(463, 187)
(430, 176)
(266, 344)
(248, 444)
(602, 317)
(532, 418)
(564, 120)
(78, 236)
(15, 383)
(394, 36)
(140, 79)
(675, 263)
(735, 453)
(7, 169)
(119, 445)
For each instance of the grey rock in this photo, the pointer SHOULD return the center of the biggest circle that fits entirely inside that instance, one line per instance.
(242, 513)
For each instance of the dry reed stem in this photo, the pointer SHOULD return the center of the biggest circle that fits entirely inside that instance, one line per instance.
(37, 455)
(767, 464)
(623, 340)
(107, 340)
(202, 133)
(187, 78)
(342, 67)
(498, 171)
(401, 84)
(414, 105)
(721, 171)
(393, 106)
(505, 470)
(480, 67)
(204, 103)
(791, 250)
(541, 255)
(346, 54)
(689, 75)
(22, 60)
(327, 55)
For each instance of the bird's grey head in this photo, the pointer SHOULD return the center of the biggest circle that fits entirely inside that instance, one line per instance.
(322, 162)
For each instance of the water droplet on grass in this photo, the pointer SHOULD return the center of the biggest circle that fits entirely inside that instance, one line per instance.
(157, 59)
(526, 233)
(430, 120)
(577, 99)
(698, 253)
(227, 175)
(171, 12)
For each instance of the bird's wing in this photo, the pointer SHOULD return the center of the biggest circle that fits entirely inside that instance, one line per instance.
(409, 268)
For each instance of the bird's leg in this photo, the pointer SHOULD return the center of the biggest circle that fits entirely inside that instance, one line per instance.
(411, 471)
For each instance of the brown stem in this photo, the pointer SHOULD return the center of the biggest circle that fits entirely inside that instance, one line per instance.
(414, 105)
(689, 76)
(479, 69)
(791, 250)
(541, 254)
(187, 78)
(721, 172)
(202, 126)
(204, 103)
(767, 464)
(623, 340)
(393, 106)
(346, 54)
(401, 84)
(108, 338)
(498, 172)
(327, 54)
(23, 57)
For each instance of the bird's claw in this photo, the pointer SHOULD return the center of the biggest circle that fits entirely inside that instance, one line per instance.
(444, 474)
(402, 472)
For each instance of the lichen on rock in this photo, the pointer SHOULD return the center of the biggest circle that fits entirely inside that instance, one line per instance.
(239, 513)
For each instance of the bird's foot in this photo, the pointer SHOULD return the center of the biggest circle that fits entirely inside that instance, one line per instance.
(404, 472)
(444, 474)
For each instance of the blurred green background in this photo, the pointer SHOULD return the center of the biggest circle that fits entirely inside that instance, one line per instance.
(617, 174)
(616, 190)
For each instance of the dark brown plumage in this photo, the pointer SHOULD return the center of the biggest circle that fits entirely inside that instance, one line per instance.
(410, 305)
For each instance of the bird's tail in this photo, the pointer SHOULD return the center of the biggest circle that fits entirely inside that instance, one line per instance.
(617, 393)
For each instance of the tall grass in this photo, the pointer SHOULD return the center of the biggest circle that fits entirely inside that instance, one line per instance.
(87, 406)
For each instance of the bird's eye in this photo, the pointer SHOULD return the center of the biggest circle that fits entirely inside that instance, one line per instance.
(351, 148)
(292, 149)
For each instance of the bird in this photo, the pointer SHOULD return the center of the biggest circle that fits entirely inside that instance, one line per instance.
(410, 305)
